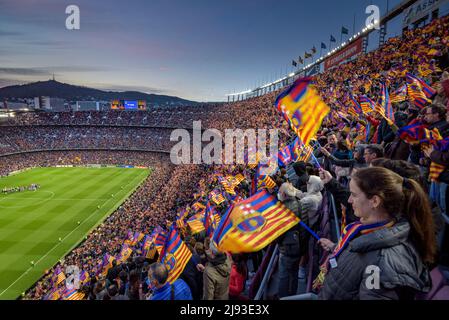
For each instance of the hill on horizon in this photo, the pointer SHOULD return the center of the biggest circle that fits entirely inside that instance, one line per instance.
(70, 92)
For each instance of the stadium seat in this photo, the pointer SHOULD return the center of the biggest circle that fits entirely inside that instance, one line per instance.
(439, 281)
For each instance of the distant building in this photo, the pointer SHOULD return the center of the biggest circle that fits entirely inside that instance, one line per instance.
(49, 104)
(87, 106)
(14, 105)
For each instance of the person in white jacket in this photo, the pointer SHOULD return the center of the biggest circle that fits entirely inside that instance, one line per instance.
(312, 199)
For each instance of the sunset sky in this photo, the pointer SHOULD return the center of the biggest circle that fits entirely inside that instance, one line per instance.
(195, 49)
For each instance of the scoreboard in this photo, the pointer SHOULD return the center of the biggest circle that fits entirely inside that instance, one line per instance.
(128, 105)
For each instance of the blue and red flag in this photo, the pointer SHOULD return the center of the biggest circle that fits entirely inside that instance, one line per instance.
(413, 133)
(175, 254)
(355, 104)
(386, 109)
(426, 89)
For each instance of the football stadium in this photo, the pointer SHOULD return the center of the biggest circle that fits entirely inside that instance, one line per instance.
(122, 177)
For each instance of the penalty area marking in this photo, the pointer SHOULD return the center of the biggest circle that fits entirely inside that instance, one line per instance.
(57, 244)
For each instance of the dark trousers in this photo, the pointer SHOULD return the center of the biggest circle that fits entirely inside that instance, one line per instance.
(288, 275)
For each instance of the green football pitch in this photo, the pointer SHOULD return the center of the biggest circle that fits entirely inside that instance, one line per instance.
(43, 226)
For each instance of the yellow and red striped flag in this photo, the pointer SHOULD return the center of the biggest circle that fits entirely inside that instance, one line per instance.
(217, 197)
(302, 108)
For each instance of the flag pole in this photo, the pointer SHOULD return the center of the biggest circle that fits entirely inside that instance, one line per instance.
(309, 230)
(353, 25)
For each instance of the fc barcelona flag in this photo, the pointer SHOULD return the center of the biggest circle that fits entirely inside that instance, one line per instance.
(302, 108)
(386, 109)
(367, 104)
(285, 156)
(355, 104)
(196, 223)
(124, 254)
(399, 95)
(210, 220)
(413, 133)
(254, 223)
(175, 255)
(107, 263)
(419, 91)
(426, 89)
(266, 182)
(159, 240)
(217, 197)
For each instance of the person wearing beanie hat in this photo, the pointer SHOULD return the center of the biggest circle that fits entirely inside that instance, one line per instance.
(300, 169)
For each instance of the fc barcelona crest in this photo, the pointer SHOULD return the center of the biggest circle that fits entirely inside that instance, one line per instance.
(249, 221)
(170, 262)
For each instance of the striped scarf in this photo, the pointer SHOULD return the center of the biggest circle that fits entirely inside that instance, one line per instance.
(350, 232)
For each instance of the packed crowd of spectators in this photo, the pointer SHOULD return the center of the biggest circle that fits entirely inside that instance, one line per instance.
(179, 117)
(378, 181)
(18, 139)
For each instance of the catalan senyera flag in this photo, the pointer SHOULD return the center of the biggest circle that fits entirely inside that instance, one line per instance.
(385, 109)
(230, 182)
(252, 224)
(355, 105)
(107, 263)
(175, 255)
(433, 52)
(134, 238)
(419, 91)
(196, 223)
(305, 153)
(59, 276)
(198, 206)
(400, 95)
(266, 182)
(367, 104)
(55, 294)
(180, 223)
(217, 197)
(302, 108)
(229, 188)
(424, 71)
(72, 294)
(84, 277)
(435, 171)
(433, 137)
(124, 254)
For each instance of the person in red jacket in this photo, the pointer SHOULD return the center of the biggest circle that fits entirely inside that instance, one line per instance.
(239, 275)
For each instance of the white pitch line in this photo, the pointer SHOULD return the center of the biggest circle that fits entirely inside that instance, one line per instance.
(56, 245)
(54, 199)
